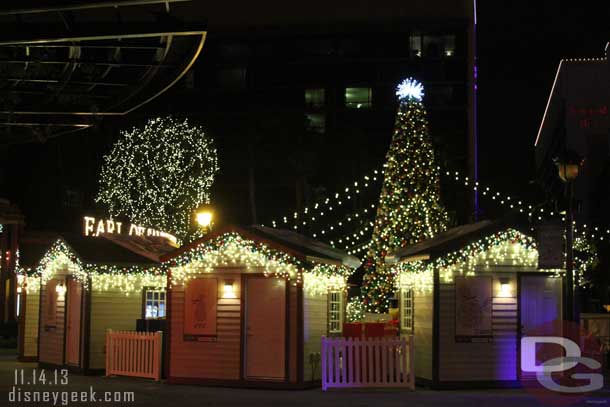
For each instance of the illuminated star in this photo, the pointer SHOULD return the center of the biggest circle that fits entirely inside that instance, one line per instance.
(410, 88)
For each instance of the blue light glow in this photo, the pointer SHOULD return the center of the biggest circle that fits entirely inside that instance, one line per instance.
(410, 88)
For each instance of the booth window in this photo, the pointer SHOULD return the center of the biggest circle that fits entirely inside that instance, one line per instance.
(154, 307)
(335, 314)
(406, 309)
(358, 98)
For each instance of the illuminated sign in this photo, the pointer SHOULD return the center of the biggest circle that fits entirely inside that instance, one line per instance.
(96, 227)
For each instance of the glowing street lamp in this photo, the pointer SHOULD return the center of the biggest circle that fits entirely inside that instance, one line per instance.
(204, 216)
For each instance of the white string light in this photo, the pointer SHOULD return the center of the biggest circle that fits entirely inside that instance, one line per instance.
(323, 208)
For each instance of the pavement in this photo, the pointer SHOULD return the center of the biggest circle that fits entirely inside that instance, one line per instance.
(151, 394)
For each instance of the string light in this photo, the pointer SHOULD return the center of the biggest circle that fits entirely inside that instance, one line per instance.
(509, 247)
(232, 250)
(158, 175)
(323, 208)
(98, 277)
(354, 310)
(409, 207)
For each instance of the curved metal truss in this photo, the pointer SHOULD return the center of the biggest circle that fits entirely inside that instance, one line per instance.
(64, 67)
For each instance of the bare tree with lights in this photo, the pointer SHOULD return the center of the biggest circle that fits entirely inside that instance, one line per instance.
(158, 175)
(409, 208)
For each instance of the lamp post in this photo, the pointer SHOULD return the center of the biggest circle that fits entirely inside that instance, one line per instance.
(204, 217)
(568, 167)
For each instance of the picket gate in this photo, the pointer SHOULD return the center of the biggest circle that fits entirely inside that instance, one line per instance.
(367, 362)
(135, 354)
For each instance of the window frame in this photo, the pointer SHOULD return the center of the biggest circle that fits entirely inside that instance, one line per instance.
(158, 301)
(407, 295)
(336, 323)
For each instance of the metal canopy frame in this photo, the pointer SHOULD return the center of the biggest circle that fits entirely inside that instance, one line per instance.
(62, 76)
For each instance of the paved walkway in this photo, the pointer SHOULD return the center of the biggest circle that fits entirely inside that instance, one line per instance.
(151, 394)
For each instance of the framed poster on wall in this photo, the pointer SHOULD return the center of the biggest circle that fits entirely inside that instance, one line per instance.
(473, 309)
(200, 301)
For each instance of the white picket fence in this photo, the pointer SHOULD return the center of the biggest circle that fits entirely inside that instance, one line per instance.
(367, 362)
(135, 354)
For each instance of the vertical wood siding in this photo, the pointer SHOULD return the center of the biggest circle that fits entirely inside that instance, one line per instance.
(216, 357)
(30, 321)
(315, 325)
(110, 310)
(52, 331)
(495, 360)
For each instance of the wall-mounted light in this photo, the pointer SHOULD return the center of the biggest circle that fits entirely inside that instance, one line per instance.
(60, 289)
(505, 289)
(228, 291)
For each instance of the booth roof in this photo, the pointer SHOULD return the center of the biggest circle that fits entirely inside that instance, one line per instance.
(451, 240)
(34, 245)
(287, 241)
(97, 250)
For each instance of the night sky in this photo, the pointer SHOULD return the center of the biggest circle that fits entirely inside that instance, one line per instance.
(520, 45)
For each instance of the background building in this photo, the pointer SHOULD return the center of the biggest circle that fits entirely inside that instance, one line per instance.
(576, 118)
(314, 95)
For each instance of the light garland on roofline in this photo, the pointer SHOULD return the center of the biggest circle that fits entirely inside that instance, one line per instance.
(103, 277)
(324, 278)
(509, 247)
(231, 250)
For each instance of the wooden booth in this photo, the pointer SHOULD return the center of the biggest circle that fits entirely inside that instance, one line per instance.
(248, 307)
(88, 286)
(32, 248)
(467, 296)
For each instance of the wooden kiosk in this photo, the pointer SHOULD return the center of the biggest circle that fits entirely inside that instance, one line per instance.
(467, 296)
(248, 307)
(89, 285)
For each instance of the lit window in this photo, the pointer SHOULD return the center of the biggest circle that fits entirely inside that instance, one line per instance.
(358, 98)
(449, 45)
(415, 45)
(316, 123)
(314, 97)
(155, 303)
(436, 46)
(335, 312)
(406, 309)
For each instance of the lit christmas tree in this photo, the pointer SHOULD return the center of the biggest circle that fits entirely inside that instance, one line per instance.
(158, 175)
(409, 208)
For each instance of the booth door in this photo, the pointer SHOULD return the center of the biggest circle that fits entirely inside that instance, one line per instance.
(73, 322)
(265, 328)
(541, 315)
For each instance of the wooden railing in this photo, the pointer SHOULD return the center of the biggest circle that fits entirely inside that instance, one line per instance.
(367, 362)
(136, 354)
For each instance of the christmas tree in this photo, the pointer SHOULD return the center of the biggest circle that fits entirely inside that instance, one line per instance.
(409, 208)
